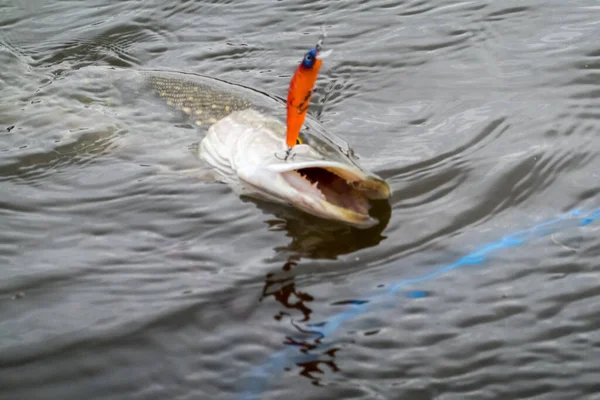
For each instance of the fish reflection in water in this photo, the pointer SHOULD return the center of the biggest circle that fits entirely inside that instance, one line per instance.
(282, 287)
(312, 239)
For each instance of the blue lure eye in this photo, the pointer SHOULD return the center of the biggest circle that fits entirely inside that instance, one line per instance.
(309, 58)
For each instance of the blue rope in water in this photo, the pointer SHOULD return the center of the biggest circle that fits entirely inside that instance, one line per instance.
(260, 376)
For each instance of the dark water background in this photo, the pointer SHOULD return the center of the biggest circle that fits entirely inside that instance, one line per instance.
(119, 281)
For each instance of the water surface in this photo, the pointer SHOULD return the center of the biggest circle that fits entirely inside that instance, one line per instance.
(122, 277)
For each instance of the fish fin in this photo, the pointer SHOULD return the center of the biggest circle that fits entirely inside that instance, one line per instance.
(202, 173)
(200, 169)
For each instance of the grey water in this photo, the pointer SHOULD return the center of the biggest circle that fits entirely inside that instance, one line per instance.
(124, 276)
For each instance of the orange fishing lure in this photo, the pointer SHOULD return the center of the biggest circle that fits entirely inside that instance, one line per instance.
(301, 89)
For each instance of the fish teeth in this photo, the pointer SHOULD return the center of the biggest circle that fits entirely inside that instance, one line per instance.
(321, 195)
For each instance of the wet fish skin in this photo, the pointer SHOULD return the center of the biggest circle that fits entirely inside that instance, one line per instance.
(202, 103)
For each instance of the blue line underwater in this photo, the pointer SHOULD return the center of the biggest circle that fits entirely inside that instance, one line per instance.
(258, 379)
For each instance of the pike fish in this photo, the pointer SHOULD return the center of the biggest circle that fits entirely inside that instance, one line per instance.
(245, 146)
(242, 141)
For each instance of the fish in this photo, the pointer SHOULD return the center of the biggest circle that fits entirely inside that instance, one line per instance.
(243, 142)
(301, 89)
(240, 133)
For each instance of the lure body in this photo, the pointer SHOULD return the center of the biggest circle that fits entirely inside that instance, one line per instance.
(301, 89)
(299, 94)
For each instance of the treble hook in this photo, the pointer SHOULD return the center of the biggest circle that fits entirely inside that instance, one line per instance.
(319, 45)
(288, 152)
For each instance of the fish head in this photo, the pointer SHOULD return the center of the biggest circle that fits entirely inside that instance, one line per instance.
(320, 176)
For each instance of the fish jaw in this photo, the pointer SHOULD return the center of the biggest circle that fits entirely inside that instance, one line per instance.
(328, 190)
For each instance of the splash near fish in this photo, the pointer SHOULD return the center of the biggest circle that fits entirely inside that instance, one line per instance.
(302, 87)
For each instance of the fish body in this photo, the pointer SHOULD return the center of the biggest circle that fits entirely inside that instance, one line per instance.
(243, 135)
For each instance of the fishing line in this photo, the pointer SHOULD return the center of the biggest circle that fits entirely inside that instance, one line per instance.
(260, 376)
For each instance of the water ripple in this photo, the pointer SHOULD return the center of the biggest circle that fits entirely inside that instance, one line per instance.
(126, 278)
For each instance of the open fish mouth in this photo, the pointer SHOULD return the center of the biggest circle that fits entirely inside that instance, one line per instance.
(337, 193)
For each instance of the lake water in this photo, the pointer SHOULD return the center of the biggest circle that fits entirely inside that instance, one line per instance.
(121, 277)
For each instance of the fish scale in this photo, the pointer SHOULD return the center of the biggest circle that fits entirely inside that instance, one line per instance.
(202, 103)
